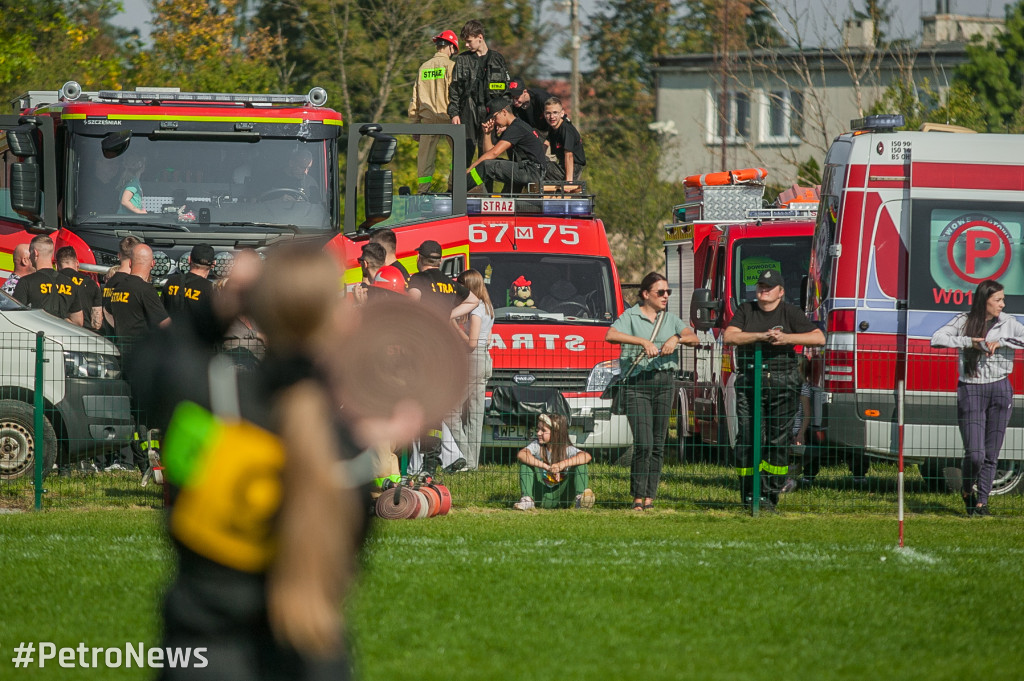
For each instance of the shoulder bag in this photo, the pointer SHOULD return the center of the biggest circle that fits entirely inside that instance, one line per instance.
(615, 390)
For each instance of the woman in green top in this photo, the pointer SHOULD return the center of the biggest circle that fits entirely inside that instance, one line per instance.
(649, 388)
(130, 199)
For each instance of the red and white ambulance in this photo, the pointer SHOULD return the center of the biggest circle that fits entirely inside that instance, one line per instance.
(714, 254)
(909, 223)
(555, 289)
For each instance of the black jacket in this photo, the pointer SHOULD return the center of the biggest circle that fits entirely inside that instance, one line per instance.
(476, 80)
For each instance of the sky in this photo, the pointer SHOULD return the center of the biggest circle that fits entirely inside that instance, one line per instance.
(818, 15)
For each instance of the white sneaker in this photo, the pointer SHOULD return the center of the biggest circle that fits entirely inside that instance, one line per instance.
(524, 504)
(585, 500)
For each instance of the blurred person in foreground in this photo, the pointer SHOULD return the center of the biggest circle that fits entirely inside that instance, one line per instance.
(269, 476)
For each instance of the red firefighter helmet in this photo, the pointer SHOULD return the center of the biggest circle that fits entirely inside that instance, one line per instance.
(390, 278)
(449, 36)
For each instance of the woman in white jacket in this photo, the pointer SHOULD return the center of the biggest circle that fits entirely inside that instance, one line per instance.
(984, 394)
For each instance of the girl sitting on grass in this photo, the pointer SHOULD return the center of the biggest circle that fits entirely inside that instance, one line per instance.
(552, 472)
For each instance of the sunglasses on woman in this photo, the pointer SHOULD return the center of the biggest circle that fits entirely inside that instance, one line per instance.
(662, 292)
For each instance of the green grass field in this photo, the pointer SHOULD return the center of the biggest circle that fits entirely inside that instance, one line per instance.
(684, 487)
(605, 594)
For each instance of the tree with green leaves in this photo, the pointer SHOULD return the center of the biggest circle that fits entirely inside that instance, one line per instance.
(47, 43)
(627, 35)
(921, 102)
(994, 71)
(197, 46)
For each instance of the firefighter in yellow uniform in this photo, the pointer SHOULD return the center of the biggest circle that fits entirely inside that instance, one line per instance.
(430, 102)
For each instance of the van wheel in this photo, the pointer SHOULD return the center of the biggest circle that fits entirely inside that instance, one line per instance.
(18, 441)
(1009, 478)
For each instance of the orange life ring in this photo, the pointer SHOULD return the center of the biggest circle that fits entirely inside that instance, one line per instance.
(727, 177)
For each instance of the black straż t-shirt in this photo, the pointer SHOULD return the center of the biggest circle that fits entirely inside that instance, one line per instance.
(88, 291)
(752, 319)
(525, 141)
(567, 138)
(188, 296)
(136, 307)
(48, 290)
(439, 291)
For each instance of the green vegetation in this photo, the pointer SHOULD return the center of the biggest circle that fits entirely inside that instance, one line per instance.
(691, 486)
(487, 594)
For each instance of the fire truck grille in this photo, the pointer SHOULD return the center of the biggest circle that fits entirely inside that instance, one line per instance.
(563, 380)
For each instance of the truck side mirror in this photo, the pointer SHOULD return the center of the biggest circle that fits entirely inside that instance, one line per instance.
(704, 310)
(803, 291)
(26, 176)
(26, 192)
(379, 183)
(379, 195)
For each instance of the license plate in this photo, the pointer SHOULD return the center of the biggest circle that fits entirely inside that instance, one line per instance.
(497, 205)
(504, 432)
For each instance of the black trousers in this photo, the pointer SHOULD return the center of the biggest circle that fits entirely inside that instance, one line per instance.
(648, 407)
(780, 398)
(514, 174)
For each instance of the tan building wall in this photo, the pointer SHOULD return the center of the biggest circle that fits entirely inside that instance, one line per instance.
(795, 103)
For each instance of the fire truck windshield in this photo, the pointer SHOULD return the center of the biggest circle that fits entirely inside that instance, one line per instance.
(203, 185)
(527, 287)
(791, 256)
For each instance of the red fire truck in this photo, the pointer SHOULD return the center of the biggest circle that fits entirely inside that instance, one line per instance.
(229, 170)
(233, 171)
(722, 241)
(909, 224)
(552, 336)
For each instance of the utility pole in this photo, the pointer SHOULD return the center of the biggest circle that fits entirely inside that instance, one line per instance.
(723, 72)
(574, 92)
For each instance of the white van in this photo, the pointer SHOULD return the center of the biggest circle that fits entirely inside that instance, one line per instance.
(86, 402)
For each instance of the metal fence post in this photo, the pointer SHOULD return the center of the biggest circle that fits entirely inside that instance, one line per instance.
(39, 447)
(755, 505)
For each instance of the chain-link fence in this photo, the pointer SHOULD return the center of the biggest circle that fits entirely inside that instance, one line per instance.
(830, 432)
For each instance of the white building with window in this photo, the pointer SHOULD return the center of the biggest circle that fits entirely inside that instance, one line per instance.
(779, 108)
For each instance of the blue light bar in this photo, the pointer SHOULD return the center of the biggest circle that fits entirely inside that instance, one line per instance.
(878, 122)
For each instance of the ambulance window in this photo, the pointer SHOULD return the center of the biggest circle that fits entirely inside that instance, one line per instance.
(824, 238)
(790, 255)
(955, 245)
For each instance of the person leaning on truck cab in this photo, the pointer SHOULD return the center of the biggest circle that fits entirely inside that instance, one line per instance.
(779, 326)
(984, 395)
(650, 386)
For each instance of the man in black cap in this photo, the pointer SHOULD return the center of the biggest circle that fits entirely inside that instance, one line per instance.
(187, 296)
(521, 141)
(451, 300)
(46, 288)
(528, 104)
(777, 326)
